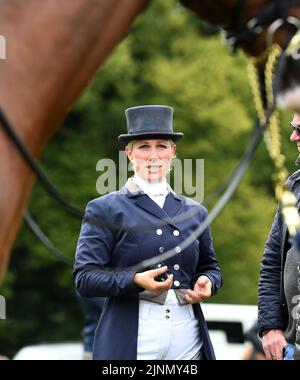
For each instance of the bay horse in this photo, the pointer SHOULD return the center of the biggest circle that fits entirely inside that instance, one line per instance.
(53, 49)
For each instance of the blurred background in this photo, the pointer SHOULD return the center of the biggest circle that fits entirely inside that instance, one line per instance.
(169, 57)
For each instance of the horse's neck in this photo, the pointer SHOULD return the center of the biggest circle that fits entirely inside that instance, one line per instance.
(219, 11)
(53, 49)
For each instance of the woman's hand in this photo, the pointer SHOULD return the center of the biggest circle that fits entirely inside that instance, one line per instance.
(202, 290)
(273, 343)
(146, 280)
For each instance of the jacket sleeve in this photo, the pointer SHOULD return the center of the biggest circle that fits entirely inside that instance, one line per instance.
(270, 314)
(93, 277)
(208, 264)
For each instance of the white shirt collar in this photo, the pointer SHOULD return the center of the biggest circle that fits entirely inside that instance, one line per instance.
(153, 189)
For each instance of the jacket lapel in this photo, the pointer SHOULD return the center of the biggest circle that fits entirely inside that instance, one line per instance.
(171, 206)
(150, 206)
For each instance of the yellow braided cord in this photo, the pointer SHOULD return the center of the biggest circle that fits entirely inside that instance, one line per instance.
(255, 88)
(272, 136)
(275, 148)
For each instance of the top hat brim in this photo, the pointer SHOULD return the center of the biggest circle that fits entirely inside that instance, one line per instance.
(126, 138)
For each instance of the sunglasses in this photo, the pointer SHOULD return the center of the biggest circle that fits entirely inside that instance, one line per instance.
(296, 128)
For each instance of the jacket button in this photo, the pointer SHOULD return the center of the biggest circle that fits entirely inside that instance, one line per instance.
(177, 249)
(176, 283)
(176, 233)
(176, 266)
(158, 231)
(161, 249)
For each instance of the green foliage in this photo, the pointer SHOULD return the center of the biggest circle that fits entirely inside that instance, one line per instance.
(165, 59)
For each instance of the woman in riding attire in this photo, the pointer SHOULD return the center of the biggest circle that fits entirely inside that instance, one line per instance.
(154, 313)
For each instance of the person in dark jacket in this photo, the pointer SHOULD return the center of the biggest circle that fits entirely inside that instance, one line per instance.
(278, 279)
(153, 313)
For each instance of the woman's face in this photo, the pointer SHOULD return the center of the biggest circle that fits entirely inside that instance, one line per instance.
(151, 158)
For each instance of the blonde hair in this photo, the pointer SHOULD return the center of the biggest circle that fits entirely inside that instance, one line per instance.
(130, 144)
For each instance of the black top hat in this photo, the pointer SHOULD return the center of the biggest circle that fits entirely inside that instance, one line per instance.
(149, 122)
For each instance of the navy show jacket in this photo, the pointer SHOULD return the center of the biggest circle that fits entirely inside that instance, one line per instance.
(120, 230)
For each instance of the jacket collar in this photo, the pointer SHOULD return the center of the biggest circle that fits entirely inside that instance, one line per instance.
(293, 183)
(133, 188)
(293, 178)
(171, 206)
